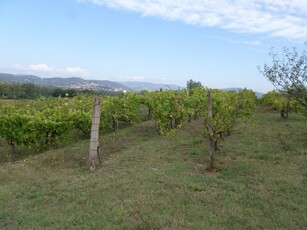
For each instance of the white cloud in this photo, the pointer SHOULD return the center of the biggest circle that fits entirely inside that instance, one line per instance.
(126, 78)
(17, 67)
(138, 78)
(44, 69)
(76, 71)
(278, 18)
(164, 79)
(40, 68)
(253, 43)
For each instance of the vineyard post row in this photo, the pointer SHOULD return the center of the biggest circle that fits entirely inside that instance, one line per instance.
(42, 124)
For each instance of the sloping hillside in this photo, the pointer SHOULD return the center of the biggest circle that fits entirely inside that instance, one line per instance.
(148, 181)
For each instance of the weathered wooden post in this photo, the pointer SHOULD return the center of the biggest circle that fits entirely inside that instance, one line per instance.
(211, 132)
(94, 143)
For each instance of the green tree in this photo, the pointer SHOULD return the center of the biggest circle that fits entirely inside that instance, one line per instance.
(193, 84)
(289, 73)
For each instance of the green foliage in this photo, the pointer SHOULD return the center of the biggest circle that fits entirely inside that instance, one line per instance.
(289, 73)
(227, 109)
(197, 100)
(48, 121)
(33, 125)
(124, 108)
(23, 91)
(169, 109)
(281, 103)
(193, 84)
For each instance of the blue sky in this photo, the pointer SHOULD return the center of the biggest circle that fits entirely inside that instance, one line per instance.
(219, 43)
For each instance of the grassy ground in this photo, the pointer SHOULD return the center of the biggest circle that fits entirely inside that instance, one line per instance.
(151, 182)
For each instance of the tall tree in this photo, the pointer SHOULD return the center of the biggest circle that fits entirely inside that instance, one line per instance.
(289, 73)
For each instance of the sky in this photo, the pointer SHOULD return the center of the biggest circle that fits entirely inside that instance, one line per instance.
(219, 43)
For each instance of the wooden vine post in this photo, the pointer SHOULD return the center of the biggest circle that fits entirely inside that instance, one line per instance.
(94, 142)
(211, 132)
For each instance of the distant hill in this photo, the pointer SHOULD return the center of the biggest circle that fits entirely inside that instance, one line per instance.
(138, 86)
(5, 77)
(71, 82)
(258, 95)
(99, 85)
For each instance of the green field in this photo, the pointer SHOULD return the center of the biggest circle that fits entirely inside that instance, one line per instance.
(147, 181)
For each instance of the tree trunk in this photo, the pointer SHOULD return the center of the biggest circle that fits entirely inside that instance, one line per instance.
(196, 114)
(149, 113)
(14, 154)
(176, 122)
(216, 148)
(115, 124)
(284, 114)
(212, 153)
(288, 108)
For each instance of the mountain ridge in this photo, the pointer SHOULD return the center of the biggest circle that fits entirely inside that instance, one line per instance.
(98, 85)
(70, 82)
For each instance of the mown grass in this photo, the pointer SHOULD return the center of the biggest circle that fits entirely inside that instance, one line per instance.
(146, 181)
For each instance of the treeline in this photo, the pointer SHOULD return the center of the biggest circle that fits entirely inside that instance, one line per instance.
(33, 91)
